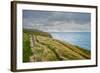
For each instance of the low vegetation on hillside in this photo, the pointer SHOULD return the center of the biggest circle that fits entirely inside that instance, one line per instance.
(40, 46)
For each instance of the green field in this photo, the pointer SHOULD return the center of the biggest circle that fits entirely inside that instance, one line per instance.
(40, 46)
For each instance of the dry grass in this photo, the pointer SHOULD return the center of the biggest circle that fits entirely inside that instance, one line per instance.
(49, 49)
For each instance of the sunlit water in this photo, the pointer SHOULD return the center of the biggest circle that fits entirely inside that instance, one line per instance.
(82, 39)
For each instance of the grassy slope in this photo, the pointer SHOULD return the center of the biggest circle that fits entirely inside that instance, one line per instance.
(48, 49)
(27, 52)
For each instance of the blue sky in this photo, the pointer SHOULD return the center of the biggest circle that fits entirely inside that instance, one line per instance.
(53, 21)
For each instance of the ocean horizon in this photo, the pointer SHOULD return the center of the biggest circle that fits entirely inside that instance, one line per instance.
(82, 39)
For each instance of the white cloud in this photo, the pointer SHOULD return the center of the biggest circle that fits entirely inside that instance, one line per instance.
(65, 27)
(57, 21)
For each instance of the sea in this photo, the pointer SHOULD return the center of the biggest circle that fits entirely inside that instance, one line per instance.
(82, 39)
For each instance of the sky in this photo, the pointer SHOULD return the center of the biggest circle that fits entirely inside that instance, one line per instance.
(57, 21)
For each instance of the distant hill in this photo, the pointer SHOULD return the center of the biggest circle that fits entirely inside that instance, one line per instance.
(37, 32)
(41, 46)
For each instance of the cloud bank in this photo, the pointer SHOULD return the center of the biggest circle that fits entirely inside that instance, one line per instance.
(53, 21)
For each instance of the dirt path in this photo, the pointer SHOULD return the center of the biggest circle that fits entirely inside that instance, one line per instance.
(59, 48)
(46, 49)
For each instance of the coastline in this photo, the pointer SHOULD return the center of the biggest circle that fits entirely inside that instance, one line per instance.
(47, 48)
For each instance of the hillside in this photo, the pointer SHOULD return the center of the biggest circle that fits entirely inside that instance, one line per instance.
(41, 46)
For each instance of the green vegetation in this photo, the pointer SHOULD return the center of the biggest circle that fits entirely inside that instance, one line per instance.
(26, 47)
(84, 50)
(37, 32)
(46, 48)
(77, 49)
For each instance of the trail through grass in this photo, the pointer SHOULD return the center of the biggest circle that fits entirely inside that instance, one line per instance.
(46, 48)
